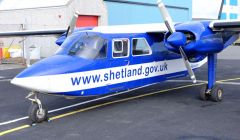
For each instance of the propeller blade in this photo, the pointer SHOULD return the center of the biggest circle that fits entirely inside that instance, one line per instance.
(166, 17)
(169, 23)
(72, 23)
(187, 64)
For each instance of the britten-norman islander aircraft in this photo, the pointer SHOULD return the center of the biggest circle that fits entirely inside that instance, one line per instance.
(102, 60)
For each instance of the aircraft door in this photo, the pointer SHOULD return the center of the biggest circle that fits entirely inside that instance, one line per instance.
(141, 58)
(119, 61)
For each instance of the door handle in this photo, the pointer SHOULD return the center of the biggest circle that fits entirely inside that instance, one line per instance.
(128, 62)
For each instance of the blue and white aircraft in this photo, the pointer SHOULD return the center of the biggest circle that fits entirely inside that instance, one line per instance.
(102, 60)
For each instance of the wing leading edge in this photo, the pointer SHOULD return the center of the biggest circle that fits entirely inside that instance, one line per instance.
(221, 25)
(33, 32)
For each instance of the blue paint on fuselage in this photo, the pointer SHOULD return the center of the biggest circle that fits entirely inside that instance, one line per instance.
(63, 63)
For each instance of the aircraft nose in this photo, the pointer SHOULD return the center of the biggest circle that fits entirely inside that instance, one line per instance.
(40, 84)
(38, 77)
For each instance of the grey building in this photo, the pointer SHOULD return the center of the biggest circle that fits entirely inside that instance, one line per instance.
(37, 14)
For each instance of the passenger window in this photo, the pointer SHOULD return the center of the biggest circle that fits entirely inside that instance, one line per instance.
(140, 47)
(120, 48)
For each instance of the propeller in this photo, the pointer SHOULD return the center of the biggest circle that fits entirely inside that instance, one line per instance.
(181, 41)
(72, 23)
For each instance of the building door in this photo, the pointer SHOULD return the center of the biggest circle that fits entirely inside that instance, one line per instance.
(85, 20)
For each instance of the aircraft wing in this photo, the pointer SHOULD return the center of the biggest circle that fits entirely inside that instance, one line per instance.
(33, 32)
(221, 25)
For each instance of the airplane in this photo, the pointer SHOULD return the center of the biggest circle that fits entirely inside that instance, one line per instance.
(94, 61)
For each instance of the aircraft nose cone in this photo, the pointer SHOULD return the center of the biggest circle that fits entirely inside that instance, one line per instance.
(54, 65)
(39, 77)
(40, 84)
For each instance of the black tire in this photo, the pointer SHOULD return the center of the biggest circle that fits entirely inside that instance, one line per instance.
(34, 116)
(203, 96)
(216, 93)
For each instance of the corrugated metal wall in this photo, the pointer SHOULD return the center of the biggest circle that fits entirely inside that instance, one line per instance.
(145, 11)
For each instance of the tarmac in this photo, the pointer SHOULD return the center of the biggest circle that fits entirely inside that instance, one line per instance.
(168, 110)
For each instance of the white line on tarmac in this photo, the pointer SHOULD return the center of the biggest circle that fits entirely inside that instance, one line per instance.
(186, 81)
(10, 68)
(229, 83)
(5, 80)
(202, 81)
(74, 105)
(105, 97)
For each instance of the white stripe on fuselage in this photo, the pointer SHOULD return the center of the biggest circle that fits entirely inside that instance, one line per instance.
(134, 28)
(64, 82)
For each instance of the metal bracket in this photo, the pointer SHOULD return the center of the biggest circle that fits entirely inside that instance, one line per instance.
(212, 62)
(33, 96)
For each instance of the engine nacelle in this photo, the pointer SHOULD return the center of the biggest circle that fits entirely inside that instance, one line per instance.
(196, 39)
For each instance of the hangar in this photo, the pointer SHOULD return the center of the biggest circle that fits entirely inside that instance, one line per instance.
(35, 14)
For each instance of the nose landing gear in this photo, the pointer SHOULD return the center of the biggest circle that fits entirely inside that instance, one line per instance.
(37, 113)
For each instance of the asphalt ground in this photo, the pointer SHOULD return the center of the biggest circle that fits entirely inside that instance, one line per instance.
(169, 110)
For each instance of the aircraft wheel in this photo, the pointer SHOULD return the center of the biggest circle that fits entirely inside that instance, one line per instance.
(216, 93)
(203, 95)
(35, 115)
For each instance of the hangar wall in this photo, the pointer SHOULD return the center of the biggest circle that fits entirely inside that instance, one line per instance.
(146, 11)
(112, 12)
(34, 19)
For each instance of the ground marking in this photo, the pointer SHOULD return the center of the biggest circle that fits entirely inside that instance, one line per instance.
(111, 95)
(97, 106)
(14, 130)
(74, 105)
(104, 104)
(121, 100)
(224, 82)
(5, 80)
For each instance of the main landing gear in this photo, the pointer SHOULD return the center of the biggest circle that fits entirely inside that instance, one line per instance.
(211, 90)
(215, 94)
(37, 113)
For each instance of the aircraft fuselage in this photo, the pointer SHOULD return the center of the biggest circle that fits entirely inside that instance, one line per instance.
(91, 63)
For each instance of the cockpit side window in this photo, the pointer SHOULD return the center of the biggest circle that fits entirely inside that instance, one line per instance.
(103, 50)
(120, 48)
(89, 47)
